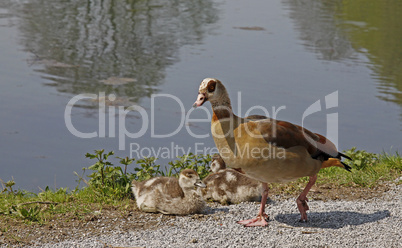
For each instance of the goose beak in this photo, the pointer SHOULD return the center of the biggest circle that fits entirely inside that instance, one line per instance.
(200, 100)
(200, 184)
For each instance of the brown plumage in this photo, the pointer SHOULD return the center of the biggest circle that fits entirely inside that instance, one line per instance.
(265, 149)
(227, 186)
(169, 195)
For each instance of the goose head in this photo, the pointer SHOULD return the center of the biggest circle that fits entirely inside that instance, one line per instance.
(189, 178)
(212, 90)
(217, 163)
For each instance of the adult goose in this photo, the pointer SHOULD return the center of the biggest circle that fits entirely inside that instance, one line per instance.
(265, 149)
(169, 195)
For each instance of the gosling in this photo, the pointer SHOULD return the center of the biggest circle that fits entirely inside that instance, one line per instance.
(169, 195)
(227, 186)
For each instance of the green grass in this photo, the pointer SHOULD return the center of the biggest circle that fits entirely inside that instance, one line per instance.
(108, 186)
(367, 172)
(49, 204)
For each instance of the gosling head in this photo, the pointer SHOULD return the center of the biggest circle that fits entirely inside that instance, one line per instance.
(189, 178)
(217, 163)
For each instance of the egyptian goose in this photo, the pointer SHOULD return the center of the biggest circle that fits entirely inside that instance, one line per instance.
(265, 149)
(169, 195)
(226, 185)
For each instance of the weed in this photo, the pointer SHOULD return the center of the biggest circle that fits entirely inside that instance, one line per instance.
(361, 159)
(147, 169)
(393, 161)
(107, 179)
(98, 176)
(30, 214)
(125, 161)
(199, 163)
(8, 186)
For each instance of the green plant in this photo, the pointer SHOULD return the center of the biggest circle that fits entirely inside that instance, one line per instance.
(30, 214)
(107, 179)
(361, 159)
(101, 167)
(59, 195)
(8, 186)
(125, 178)
(394, 161)
(125, 161)
(147, 169)
(199, 163)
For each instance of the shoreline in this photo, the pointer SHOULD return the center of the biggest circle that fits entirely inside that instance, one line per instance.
(372, 222)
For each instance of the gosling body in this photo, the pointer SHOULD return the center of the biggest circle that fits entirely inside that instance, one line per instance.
(227, 186)
(169, 195)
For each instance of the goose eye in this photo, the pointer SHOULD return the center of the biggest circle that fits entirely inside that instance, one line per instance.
(211, 88)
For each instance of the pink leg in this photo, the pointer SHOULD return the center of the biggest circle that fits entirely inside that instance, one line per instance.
(260, 219)
(302, 199)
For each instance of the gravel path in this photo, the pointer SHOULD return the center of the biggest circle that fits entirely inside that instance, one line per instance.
(368, 223)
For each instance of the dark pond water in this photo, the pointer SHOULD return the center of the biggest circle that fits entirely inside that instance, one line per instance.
(68, 68)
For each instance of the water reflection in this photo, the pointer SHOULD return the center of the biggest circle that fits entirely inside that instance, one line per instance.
(318, 29)
(343, 29)
(89, 46)
(374, 27)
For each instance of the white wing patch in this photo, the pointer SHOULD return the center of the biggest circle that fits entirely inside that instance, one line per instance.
(224, 187)
(230, 177)
(150, 182)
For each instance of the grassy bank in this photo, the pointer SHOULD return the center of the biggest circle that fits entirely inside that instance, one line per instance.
(107, 186)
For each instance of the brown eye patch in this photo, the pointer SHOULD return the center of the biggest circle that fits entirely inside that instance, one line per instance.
(211, 86)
